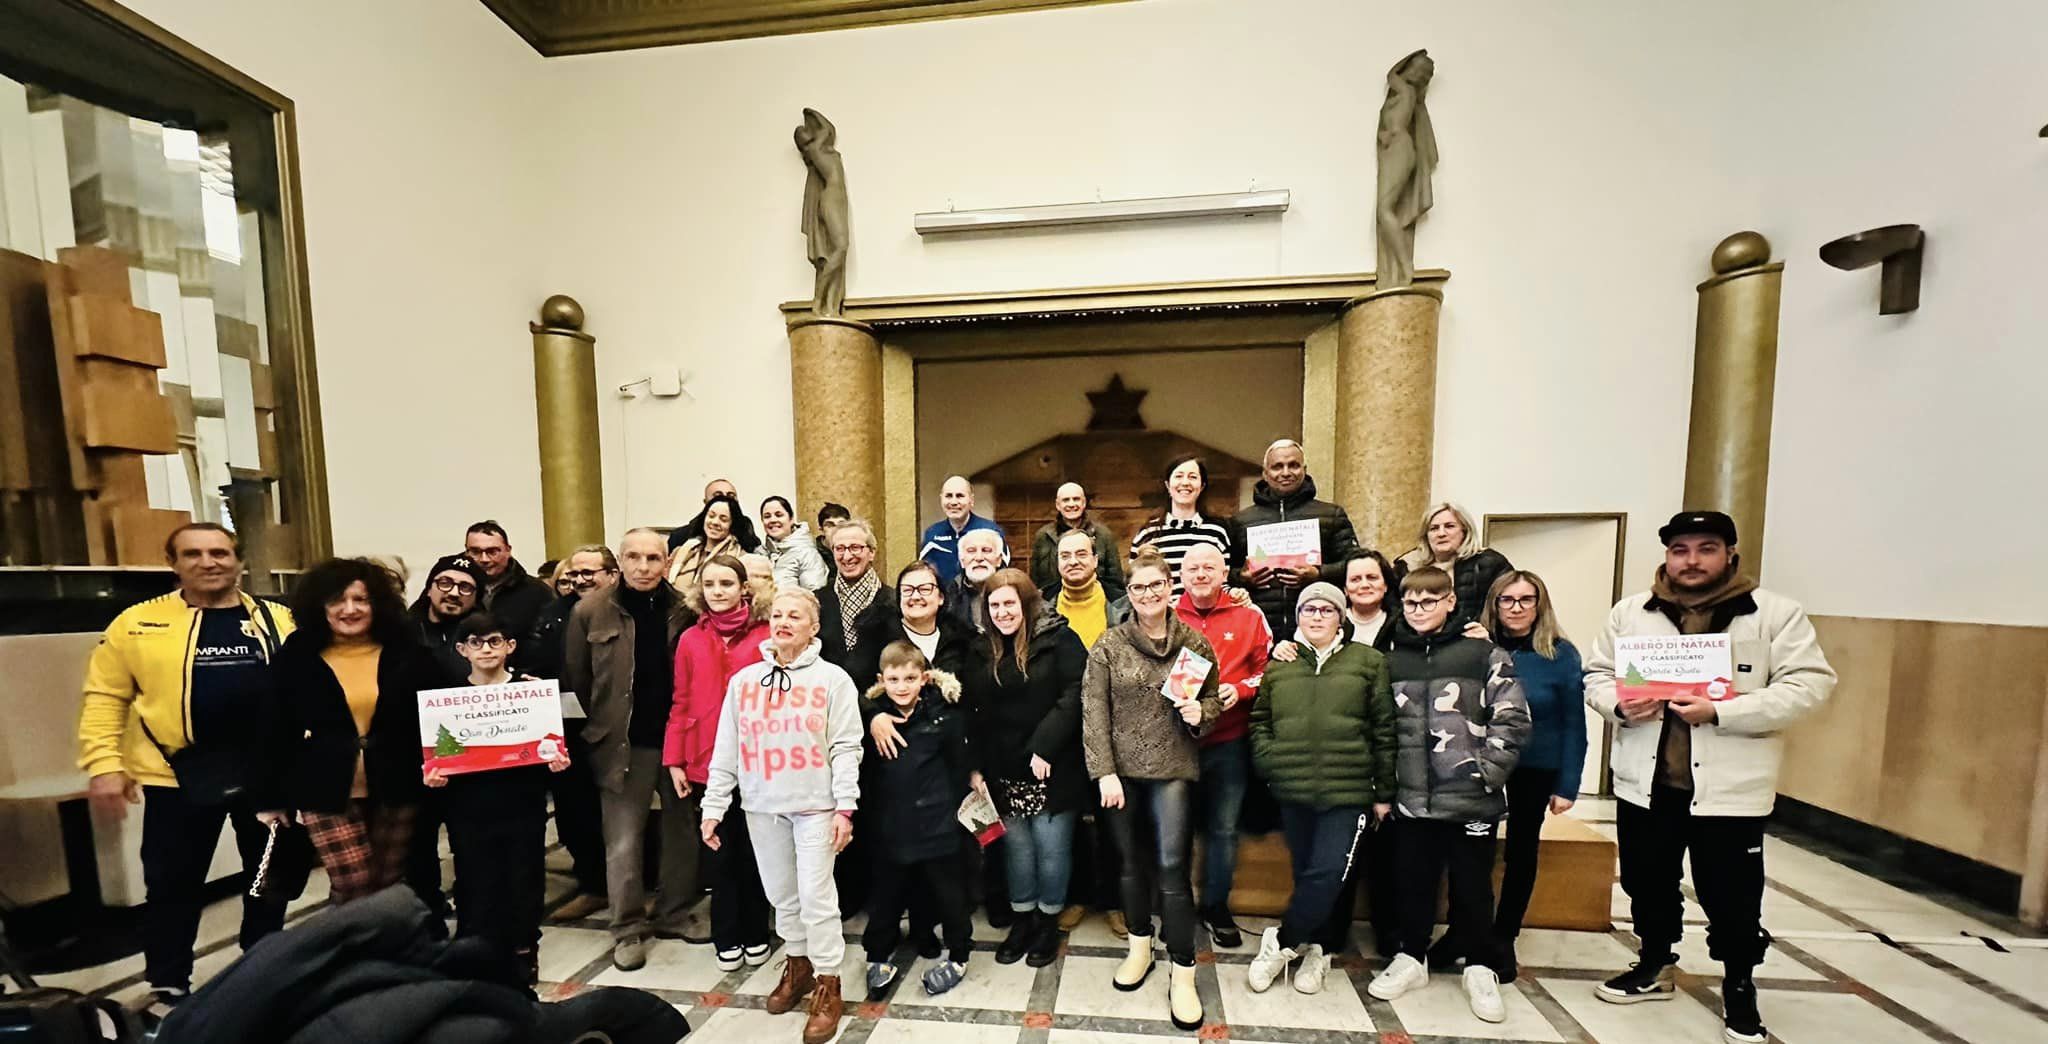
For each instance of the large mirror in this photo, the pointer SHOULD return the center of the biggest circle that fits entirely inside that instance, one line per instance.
(156, 364)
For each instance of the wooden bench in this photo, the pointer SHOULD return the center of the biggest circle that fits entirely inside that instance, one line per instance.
(1574, 877)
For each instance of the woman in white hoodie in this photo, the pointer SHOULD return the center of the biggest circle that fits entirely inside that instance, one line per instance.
(789, 740)
(789, 545)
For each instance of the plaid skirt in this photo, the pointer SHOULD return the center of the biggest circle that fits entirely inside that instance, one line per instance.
(363, 849)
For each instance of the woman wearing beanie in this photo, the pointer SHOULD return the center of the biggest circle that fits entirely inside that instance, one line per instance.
(789, 744)
(731, 627)
(1322, 734)
(1024, 686)
(1142, 748)
(1520, 618)
(790, 547)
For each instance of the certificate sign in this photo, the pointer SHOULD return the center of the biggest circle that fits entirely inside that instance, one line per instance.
(1184, 680)
(1659, 667)
(1284, 545)
(478, 728)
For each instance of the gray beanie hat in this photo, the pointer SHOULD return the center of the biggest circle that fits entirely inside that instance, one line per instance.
(1321, 591)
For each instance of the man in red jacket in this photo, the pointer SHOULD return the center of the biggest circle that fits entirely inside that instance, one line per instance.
(1242, 640)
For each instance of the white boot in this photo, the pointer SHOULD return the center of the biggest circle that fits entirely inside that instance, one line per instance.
(1137, 964)
(1183, 1001)
(1270, 963)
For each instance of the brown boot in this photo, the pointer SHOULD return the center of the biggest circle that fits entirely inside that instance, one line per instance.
(826, 1007)
(796, 981)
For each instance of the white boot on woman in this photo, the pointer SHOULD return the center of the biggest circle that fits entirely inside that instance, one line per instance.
(1137, 964)
(1183, 1001)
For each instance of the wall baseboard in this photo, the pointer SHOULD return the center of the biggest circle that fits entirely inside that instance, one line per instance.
(1891, 855)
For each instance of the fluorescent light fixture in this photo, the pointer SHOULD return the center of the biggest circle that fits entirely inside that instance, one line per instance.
(1221, 204)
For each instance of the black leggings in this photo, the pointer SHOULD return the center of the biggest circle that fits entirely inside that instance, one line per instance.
(1529, 791)
(1152, 832)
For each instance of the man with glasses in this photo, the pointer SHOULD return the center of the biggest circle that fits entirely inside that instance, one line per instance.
(577, 819)
(1698, 775)
(619, 657)
(856, 596)
(451, 592)
(1459, 723)
(1239, 636)
(513, 596)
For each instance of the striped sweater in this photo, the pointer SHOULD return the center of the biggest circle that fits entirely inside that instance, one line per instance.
(1173, 537)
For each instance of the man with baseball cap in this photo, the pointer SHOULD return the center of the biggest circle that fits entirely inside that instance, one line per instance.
(452, 591)
(1699, 775)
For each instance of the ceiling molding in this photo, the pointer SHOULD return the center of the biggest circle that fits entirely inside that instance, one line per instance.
(562, 27)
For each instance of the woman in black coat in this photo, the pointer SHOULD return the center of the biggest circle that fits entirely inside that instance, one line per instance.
(1449, 542)
(1024, 687)
(344, 749)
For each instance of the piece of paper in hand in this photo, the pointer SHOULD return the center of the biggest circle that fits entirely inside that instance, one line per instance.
(571, 706)
(1659, 667)
(1184, 681)
(978, 815)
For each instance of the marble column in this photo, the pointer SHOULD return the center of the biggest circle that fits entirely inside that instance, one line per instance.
(1386, 412)
(1734, 380)
(835, 370)
(565, 398)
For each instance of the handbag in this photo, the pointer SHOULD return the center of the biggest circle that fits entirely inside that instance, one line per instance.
(211, 775)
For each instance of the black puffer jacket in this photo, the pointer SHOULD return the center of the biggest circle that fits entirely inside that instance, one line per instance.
(309, 762)
(1459, 720)
(540, 651)
(1019, 715)
(518, 600)
(913, 799)
(374, 972)
(1472, 579)
(1276, 600)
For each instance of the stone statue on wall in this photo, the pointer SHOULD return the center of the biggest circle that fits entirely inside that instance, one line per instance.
(825, 211)
(1407, 158)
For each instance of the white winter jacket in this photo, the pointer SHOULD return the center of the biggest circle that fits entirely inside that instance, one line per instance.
(798, 562)
(1780, 677)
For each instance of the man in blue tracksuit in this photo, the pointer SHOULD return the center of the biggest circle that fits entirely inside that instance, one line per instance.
(941, 543)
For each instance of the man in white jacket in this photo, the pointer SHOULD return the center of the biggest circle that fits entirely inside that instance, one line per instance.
(1700, 775)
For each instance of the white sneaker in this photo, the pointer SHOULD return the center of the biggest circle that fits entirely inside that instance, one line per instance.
(1482, 991)
(1270, 963)
(1403, 974)
(1314, 965)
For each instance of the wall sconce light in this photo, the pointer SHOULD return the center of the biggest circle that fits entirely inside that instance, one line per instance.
(1898, 248)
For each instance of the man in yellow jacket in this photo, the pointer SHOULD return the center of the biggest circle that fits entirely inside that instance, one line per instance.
(189, 669)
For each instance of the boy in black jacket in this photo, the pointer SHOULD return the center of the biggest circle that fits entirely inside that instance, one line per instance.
(498, 821)
(915, 800)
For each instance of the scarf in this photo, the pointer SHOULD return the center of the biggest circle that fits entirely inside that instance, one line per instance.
(854, 599)
(690, 558)
(1693, 612)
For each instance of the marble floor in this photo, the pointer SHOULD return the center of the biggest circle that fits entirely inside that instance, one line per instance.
(1856, 958)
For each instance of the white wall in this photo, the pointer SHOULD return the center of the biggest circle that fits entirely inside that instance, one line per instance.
(420, 145)
(1593, 154)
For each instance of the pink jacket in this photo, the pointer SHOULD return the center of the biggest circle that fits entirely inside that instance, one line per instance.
(700, 690)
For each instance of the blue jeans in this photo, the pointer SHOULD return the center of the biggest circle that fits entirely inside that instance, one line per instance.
(1321, 842)
(1226, 771)
(1039, 857)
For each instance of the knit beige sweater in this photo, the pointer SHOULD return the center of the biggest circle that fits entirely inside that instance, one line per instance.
(1128, 727)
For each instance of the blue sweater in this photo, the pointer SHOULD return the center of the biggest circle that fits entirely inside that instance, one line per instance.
(941, 546)
(1556, 691)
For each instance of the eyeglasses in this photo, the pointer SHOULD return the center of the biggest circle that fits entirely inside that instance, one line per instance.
(487, 552)
(849, 549)
(1155, 587)
(585, 574)
(496, 641)
(920, 590)
(1317, 609)
(1516, 601)
(1421, 605)
(446, 585)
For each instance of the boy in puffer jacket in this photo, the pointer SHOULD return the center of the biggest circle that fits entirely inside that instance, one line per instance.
(1459, 721)
(914, 799)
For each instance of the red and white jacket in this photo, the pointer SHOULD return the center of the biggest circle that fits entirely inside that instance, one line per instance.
(1243, 642)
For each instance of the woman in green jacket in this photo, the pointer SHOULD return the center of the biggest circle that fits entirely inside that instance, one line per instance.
(1323, 736)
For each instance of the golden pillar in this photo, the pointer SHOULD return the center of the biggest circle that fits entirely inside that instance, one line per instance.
(1386, 412)
(565, 396)
(1734, 377)
(835, 371)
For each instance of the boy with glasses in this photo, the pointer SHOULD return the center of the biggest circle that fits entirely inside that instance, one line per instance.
(1459, 721)
(498, 821)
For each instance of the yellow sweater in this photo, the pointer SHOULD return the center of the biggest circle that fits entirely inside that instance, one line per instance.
(1087, 615)
(355, 667)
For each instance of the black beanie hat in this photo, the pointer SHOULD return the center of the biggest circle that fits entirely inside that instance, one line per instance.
(457, 564)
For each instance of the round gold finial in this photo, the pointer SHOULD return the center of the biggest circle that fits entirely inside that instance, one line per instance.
(561, 312)
(1741, 250)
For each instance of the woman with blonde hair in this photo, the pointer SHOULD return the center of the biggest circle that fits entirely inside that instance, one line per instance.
(1520, 618)
(1449, 542)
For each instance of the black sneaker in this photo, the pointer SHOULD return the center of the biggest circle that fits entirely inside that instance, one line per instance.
(1650, 979)
(1222, 929)
(1740, 1023)
(1023, 931)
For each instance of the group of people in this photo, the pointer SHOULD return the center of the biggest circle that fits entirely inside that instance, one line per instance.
(813, 733)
